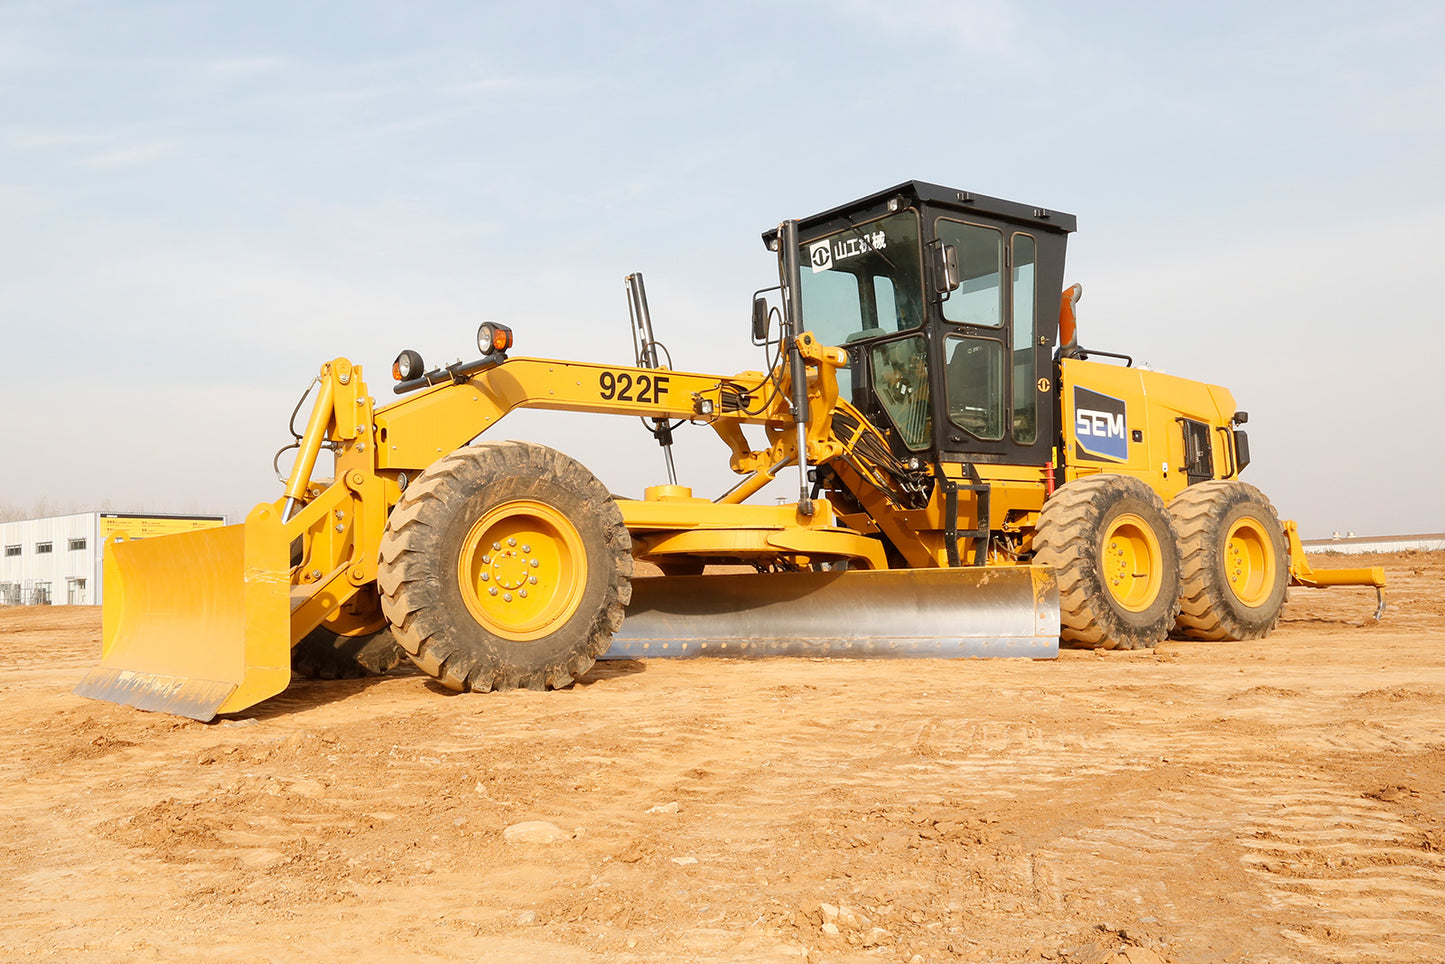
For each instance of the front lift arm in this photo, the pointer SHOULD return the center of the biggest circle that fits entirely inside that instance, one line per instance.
(335, 526)
(417, 430)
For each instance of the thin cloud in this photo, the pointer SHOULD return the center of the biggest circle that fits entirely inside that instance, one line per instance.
(25, 139)
(243, 66)
(422, 121)
(980, 25)
(135, 156)
(490, 85)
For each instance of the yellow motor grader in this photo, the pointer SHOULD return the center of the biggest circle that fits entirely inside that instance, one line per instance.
(971, 482)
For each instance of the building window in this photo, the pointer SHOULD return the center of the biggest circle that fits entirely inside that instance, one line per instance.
(42, 547)
(12, 550)
(77, 544)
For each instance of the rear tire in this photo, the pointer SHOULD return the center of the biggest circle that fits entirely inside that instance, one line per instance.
(505, 565)
(1233, 569)
(1110, 541)
(322, 654)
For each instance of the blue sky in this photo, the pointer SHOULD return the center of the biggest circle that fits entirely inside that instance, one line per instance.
(202, 202)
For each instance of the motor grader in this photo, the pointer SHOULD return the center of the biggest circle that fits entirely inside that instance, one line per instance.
(971, 481)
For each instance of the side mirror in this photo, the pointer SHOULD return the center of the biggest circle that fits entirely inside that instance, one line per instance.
(945, 268)
(760, 319)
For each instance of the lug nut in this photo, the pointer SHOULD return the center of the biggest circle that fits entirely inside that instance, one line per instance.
(512, 541)
(492, 591)
(496, 545)
(532, 580)
(486, 576)
(486, 559)
(522, 593)
(526, 548)
(507, 598)
(534, 563)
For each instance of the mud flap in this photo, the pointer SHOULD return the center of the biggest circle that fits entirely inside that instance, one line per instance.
(197, 623)
(950, 613)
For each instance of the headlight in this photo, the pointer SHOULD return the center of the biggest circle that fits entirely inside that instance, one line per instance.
(492, 337)
(408, 365)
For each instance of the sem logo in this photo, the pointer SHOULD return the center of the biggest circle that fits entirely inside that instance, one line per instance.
(820, 256)
(1101, 426)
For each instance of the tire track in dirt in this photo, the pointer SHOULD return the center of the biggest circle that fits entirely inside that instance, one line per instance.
(1351, 863)
(1342, 878)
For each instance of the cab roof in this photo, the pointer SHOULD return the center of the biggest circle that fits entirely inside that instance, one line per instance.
(938, 196)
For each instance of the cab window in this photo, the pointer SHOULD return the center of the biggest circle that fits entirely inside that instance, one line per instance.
(979, 298)
(864, 281)
(1025, 397)
(975, 386)
(900, 380)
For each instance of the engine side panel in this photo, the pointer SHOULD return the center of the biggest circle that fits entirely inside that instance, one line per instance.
(1133, 422)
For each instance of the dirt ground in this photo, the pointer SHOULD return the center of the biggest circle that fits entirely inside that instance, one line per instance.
(1265, 802)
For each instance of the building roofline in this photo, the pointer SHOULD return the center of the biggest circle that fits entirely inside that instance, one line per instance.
(1358, 540)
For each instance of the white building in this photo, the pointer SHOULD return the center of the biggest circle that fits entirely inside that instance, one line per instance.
(1350, 544)
(58, 560)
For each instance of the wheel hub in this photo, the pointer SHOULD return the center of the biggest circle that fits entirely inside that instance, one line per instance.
(1130, 562)
(522, 569)
(511, 568)
(1248, 562)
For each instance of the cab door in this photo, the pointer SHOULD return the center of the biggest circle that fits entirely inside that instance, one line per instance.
(994, 363)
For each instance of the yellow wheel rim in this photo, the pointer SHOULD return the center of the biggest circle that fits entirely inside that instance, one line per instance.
(1249, 562)
(1130, 561)
(522, 570)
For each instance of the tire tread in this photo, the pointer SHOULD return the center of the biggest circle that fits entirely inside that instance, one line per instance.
(1208, 611)
(410, 589)
(1065, 539)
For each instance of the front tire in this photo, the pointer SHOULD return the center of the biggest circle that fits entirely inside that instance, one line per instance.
(505, 565)
(1110, 541)
(1233, 569)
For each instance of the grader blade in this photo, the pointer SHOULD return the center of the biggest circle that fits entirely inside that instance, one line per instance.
(197, 623)
(900, 614)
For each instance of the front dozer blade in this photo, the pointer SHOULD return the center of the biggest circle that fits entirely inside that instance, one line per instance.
(197, 623)
(901, 614)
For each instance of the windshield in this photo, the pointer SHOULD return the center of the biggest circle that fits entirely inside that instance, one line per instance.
(863, 282)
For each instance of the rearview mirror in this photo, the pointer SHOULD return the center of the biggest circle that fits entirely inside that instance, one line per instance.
(760, 319)
(945, 268)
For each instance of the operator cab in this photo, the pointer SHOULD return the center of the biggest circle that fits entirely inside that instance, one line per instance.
(947, 303)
